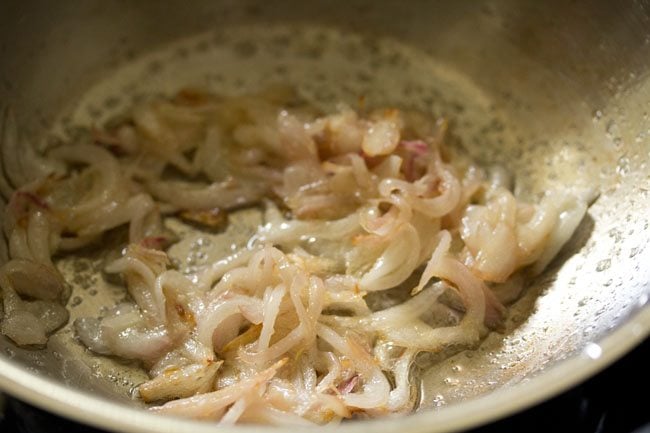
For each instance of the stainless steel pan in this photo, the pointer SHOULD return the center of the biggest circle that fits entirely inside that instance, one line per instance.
(563, 97)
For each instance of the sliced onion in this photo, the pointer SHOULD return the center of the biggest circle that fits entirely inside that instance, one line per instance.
(211, 405)
(272, 299)
(184, 382)
(18, 323)
(38, 237)
(376, 388)
(35, 280)
(222, 194)
(572, 211)
(381, 138)
(397, 262)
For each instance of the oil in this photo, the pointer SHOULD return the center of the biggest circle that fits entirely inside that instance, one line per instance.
(326, 66)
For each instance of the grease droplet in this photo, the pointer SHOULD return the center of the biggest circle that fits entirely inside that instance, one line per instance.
(603, 265)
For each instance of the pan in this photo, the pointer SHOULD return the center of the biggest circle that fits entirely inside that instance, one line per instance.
(556, 92)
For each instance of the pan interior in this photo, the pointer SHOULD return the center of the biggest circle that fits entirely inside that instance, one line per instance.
(596, 283)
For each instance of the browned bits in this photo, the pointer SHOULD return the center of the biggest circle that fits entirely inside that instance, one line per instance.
(214, 219)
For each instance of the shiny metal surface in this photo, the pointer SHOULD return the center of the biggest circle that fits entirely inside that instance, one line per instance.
(559, 93)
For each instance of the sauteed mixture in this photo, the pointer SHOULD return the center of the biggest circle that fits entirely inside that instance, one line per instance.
(380, 241)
